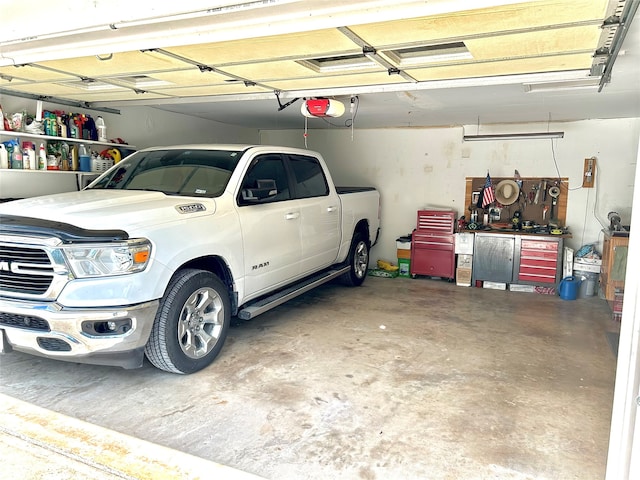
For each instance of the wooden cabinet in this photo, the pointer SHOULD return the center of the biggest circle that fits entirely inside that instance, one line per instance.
(614, 264)
(432, 244)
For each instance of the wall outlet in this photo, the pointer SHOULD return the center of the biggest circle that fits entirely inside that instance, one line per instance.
(589, 175)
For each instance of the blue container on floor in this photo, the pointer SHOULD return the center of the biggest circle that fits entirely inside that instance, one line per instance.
(569, 288)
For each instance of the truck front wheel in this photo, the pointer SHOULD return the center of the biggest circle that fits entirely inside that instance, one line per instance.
(191, 324)
(358, 261)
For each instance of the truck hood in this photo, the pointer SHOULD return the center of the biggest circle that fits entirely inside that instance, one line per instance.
(105, 209)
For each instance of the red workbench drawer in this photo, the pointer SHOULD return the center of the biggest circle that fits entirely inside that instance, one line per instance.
(537, 270)
(539, 245)
(537, 278)
(539, 254)
(537, 263)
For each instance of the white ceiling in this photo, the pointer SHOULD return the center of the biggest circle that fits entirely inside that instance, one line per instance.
(512, 42)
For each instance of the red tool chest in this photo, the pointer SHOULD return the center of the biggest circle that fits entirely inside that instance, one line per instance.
(432, 244)
(538, 261)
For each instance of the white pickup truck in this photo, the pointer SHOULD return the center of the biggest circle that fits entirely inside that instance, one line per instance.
(158, 253)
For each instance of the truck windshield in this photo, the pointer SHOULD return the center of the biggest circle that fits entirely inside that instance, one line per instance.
(185, 172)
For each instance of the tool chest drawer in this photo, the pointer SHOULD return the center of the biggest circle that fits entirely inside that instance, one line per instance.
(545, 245)
(442, 221)
(433, 241)
(539, 261)
(433, 262)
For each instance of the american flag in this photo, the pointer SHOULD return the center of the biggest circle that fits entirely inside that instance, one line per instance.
(488, 194)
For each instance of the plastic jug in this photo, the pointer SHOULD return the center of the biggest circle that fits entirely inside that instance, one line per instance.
(84, 159)
(4, 156)
(102, 129)
(569, 288)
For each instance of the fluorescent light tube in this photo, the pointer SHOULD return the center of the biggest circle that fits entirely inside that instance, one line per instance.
(512, 136)
(579, 84)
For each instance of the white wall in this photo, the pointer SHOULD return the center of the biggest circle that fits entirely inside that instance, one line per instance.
(416, 168)
(146, 126)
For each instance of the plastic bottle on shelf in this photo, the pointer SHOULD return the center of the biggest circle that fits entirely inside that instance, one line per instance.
(64, 156)
(102, 129)
(42, 158)
(28, 156)
(16, 157)
(4, 156)
(73, 152)
(84, 159)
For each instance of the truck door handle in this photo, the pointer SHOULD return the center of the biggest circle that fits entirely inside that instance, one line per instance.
(292, 215)
(331, 208)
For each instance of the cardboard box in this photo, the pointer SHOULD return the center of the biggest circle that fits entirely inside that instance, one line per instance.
(465, 261)
(402, 253)
(494, 285)
(464, 243)
(587, 265)
(463, 277)
(515, 287)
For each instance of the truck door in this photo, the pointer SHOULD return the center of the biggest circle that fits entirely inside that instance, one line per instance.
(320, 213)
(270, 226)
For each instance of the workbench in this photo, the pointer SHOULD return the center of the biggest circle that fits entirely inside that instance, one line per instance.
(517, 257)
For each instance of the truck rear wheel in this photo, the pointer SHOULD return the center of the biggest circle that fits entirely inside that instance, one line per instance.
(191, 324)
(358, 261)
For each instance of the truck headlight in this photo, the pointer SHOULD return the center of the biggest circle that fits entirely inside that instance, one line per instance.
(97, 260)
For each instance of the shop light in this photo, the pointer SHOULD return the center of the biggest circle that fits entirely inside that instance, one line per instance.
(513, 136)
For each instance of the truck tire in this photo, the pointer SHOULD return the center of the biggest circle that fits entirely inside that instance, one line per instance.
(191, 324)
(358, 261)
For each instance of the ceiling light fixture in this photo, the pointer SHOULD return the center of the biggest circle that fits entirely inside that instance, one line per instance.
(91, 84)
(414, 56)
(513, 136)
(221, 10)
(579, 84)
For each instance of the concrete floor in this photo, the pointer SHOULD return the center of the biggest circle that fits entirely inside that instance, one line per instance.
(401, 378)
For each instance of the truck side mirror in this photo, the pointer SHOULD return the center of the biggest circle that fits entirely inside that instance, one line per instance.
(266, 188)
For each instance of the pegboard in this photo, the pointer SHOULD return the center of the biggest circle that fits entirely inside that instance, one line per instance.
(555, 214)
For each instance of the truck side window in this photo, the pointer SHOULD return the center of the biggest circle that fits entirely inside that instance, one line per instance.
(310, 179)
(266, 167)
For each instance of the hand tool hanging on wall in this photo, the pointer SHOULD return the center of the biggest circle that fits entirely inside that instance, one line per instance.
(535, 200)
(554, 192)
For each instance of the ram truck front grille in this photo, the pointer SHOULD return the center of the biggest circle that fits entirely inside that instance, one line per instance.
(25, 270)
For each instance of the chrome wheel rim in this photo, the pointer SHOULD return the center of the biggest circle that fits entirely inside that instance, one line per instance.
(200, 323)
(361, 260)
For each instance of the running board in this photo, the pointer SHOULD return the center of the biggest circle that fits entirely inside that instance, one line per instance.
(254, 309)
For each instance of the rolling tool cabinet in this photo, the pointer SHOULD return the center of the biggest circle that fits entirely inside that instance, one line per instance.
(432, 244)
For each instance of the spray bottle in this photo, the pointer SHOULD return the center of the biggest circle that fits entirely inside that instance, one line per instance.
(42, 158)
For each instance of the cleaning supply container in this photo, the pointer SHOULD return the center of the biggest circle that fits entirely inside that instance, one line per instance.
(569, 288)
